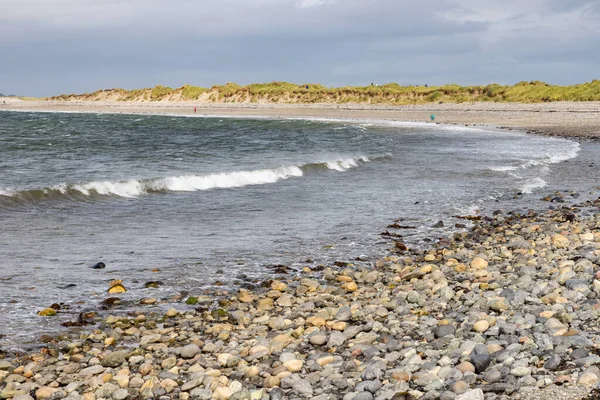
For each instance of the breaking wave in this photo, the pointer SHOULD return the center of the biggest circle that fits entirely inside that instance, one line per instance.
(132, 188)
(532, 184)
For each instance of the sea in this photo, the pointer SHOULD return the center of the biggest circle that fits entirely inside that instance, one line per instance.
(195, 203)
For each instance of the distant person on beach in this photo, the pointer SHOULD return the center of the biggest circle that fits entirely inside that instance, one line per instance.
(194, 110)
(432, 118)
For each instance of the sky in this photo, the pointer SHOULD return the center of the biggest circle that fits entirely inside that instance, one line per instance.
(50, 47)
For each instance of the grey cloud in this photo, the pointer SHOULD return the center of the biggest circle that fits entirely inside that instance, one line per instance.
(83, 45)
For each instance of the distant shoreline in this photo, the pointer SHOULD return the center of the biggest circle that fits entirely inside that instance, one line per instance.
(579, 120)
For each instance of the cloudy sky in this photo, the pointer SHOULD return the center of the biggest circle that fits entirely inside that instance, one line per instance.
(50, 47)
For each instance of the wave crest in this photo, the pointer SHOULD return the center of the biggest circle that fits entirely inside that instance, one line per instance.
(132, 188)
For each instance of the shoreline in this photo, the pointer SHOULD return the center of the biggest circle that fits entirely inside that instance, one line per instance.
(579, 121)
(501, 309)
(414, 324)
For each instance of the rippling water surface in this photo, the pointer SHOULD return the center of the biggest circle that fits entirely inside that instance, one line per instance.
(203, 199)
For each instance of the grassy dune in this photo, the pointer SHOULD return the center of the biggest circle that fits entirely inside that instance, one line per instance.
(392, 93)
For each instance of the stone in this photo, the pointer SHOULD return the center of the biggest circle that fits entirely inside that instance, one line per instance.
(492, 376)
(116, 286)
(426, 379)
(171, 313)
(343, 314)
(479, 263)
(318, 339)
(520, 371)
(23, 396)
(189, 351)
(244, 296)
(444, 330)
(201, 394)
(459, 387)
(302, 387)
(350, 287)
(372, 372)
(481, 326)
(114, 359)
(222, 393)
(480, 362)
(588, 379)
(148, 339)
(413, 297)
(5, 365)
(475, 394)
(465, 367)
(322, 361)
(553, 362)
(293, 365)
(120, 394)
(560, 241)
(45, 392)
(336, 339)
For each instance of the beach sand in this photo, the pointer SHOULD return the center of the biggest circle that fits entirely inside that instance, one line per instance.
(577, 120)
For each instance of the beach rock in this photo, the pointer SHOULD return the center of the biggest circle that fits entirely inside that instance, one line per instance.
(201, 394)
(588, 379)
(336, 339)
(481, 326)
(481, 362)
(444, 330)
(189, 351)
(99, 265)
(553, 362)
(120, 394)
(465, 367)
(47, 312)
(293, 365)
(459, 387)
(114, 359)
(23, 397)
(303, 388)
(520, 371)
(149, 339)
(475, 394)
(116, 286)
(479, 263)
(560, 241)
(222, 393)
(46, 392)
(318, 339)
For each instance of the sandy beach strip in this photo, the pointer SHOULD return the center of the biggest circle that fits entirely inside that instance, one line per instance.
(567, 119)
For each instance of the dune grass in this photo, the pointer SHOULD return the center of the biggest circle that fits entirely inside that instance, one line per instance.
(391, 93)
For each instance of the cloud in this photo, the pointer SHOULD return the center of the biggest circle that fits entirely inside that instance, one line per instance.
(82, 45)
(314, 3)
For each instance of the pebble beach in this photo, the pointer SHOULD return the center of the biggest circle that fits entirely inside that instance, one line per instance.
(506, 309)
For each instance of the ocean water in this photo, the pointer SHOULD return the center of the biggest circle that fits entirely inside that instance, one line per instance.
(188, 201)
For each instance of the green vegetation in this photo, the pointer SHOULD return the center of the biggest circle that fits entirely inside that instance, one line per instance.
(189, 92)
(192, 300)
(160, 92)
(391, 93)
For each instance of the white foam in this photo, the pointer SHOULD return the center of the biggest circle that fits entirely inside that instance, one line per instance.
(190, 183)
(224, 180)
(6, 192)
(556, 158)
(533, 184)
(503, 168)
(129, 188)
(346, 164)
